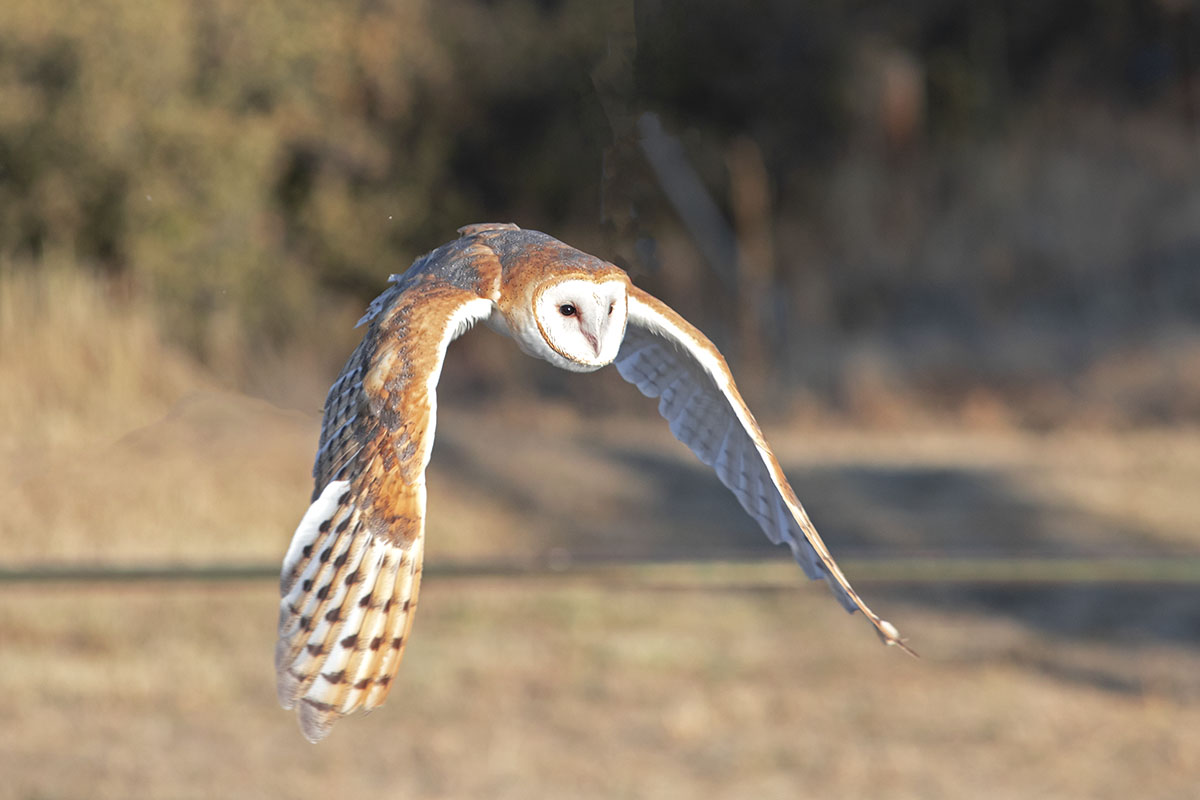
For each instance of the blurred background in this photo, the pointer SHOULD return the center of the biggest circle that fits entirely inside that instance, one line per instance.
(952, 252)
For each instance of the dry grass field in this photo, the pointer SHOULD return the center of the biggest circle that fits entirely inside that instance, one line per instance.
(702, 680)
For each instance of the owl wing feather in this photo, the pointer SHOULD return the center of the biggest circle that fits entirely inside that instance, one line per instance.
(666, 357)
(351, 575)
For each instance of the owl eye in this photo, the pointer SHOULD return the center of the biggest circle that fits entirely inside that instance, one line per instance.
(567, 310)
(611, 306)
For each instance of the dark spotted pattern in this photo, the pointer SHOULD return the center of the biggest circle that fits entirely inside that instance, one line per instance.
(350, 597)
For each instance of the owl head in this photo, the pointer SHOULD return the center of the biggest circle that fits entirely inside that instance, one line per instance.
(560, 304)
(580, 322)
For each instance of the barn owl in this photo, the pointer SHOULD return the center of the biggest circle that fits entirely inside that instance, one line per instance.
(351, 574)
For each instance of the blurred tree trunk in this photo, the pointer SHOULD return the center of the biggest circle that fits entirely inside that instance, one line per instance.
(750, 203)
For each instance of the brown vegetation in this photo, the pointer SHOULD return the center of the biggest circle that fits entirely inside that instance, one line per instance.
(981, 211)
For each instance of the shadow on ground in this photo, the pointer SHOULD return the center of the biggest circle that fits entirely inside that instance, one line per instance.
(890, 511)
(667, 506)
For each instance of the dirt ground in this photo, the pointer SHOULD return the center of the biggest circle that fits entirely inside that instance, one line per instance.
(594, 686)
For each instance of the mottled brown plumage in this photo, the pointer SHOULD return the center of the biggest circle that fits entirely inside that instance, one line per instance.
(351, 576)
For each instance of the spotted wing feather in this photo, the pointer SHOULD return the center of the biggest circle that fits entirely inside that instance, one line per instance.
(351, 576)
(666, 357)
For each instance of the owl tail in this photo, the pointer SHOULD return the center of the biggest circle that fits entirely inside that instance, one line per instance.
(348, 599)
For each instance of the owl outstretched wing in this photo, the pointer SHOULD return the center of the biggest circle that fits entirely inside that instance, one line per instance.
(351, 574)
(666, 357)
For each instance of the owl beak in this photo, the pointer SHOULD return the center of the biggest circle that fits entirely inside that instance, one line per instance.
(593, 341)
(593, 333)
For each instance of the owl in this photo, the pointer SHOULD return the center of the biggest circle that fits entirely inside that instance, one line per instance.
(351, 575)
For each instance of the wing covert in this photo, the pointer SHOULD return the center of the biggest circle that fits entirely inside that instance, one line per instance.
(666, 357)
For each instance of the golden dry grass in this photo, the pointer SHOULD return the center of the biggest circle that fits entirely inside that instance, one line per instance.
(543, 690)
(117, 449)
(80, 364)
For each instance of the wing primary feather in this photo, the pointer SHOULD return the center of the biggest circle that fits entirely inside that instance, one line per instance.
(400, 621)
(303, 594)
(307, 532)
(327, 654)
(306, 647)
(310, 664)
(364, 641)
(362, 658)
(365, 668)
(322, 581)
(661, 355)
